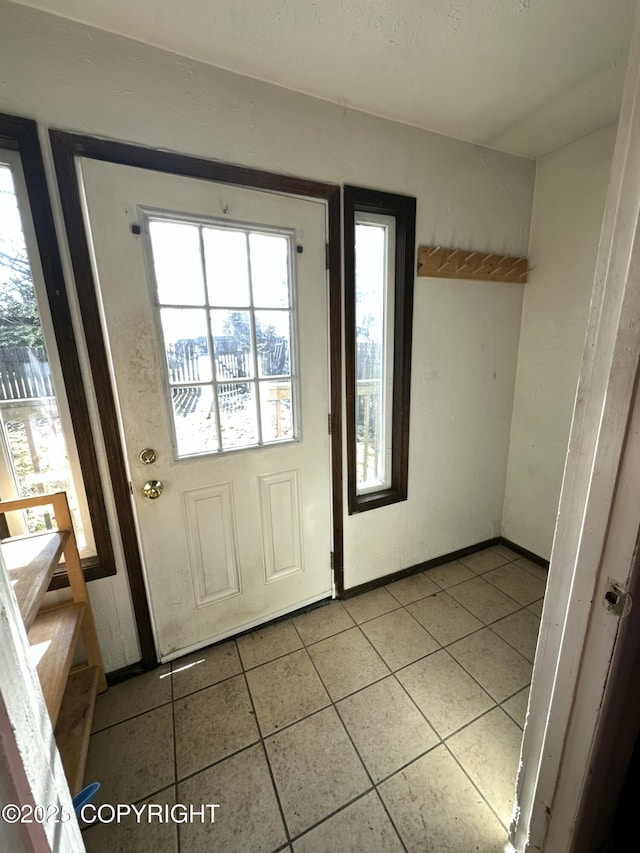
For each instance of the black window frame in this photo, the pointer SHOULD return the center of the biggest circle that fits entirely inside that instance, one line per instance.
(21, 135)
(403, 210)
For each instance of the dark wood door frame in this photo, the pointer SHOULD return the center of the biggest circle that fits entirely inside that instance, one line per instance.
(66, 148)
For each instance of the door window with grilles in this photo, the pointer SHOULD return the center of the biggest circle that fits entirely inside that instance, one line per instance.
(225, 301)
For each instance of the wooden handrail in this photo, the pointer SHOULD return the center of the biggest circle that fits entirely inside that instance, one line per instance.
(53, 499)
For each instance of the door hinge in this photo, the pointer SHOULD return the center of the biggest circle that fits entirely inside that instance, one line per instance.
(130, 486)
(333, 561)
(326, 256)
(616, 598)
(329, 423)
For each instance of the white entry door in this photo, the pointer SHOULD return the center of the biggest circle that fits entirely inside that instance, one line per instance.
(215, 310)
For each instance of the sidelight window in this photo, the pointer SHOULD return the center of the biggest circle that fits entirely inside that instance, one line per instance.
(379, 274)
(374, 305)
(34, 424)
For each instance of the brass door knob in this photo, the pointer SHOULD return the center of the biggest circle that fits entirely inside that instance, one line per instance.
(152, 489)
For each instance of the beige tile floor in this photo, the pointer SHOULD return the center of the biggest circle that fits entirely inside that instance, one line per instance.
(391, 722)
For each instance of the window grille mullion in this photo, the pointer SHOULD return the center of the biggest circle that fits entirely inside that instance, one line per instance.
(212, 355)
(254, 343)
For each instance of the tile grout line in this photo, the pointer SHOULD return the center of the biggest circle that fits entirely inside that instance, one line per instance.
(175, 753)
(376, 784)
(475, 719)
(504, 640)
(501, 591)
(464, 607)
(366, 769)
(405, 607)
(504, 592)
(266, 758)
(172, 785)
(441, 741)
(262, 743)
(472, 676)
(378, 615)
(408, 764)
(496, 703)
(333, 814)
(276, 794)
(215, 763)
(444, 741)
(328, 637)
(495, 707)
(132, 717)
(477, 788)
(333, 705)
(485, 624)
(391, 820)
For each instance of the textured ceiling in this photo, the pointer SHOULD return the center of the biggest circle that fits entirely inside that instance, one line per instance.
(523, 76)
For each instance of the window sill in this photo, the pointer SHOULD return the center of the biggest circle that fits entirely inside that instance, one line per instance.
(374, 500)
(92, 570)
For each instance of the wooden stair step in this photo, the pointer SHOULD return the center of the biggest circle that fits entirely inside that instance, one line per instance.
(31, 562)
(52, 638)
(53, 632)
(73, 728)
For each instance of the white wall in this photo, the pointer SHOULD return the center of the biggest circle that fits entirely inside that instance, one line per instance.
(465, 334)
(463, 373)
(568, 206)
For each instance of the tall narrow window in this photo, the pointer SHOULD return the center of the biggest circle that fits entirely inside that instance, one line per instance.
(379, 276)
(34, 457)
(374, 307)
(46, 439)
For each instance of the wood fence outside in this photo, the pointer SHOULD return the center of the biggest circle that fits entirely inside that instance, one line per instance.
(24, 373)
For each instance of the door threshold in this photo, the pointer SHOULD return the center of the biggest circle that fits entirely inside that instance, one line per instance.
(248, 626)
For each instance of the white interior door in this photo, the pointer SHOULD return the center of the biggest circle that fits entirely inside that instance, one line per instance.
(216, 321)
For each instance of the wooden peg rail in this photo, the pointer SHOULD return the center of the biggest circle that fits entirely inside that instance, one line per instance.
(437, 262)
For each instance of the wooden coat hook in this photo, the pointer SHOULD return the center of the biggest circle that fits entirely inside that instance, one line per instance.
(438, 262)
